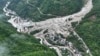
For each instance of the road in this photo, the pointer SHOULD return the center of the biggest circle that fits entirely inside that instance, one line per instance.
(59, 25)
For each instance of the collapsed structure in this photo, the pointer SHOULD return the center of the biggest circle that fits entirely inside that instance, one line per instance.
(54, 29)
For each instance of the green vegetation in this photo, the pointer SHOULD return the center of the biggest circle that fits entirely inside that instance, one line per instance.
(24, 45)
(21, 44)
(17, 44)
(54, 7)
(77, 44)
(2, 3)
(89, 29)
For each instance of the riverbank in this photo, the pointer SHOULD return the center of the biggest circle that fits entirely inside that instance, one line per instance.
(54, 26)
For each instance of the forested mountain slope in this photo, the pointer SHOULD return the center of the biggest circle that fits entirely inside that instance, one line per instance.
(54, 8)
(13, 43)
(89, 28)
(17, 44)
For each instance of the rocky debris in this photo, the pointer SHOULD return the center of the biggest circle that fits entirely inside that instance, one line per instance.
(53, 29)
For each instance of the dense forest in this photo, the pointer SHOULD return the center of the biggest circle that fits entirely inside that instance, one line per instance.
(13, 43)
(89, 29)
(18, 44)
(49, 8)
